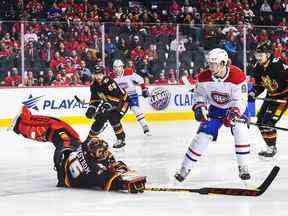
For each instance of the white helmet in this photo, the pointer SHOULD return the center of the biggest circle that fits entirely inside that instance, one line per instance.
(118, 67)
(218, 56)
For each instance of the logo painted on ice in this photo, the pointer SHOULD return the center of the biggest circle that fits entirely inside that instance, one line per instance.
(220, 98)
(31, 102)
(159, 98)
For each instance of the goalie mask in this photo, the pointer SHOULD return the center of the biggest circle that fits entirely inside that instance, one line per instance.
(97, 149)
(118, 67)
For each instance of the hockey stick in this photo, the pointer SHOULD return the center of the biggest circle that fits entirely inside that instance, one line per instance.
(270, 100)
(92, 101)
(226, 191)
(82, 101)
(262, 125)
(244, 121)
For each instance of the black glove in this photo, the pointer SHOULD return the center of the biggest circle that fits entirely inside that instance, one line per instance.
(105, 107)
(145, 92)
(251, 97)
(91, 112)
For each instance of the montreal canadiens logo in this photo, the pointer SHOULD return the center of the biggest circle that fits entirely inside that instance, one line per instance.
(220, 98)
(159, 98)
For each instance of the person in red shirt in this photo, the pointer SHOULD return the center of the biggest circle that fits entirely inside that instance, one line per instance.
(162, 80)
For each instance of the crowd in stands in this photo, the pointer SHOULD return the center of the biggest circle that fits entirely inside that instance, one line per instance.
(62, 39)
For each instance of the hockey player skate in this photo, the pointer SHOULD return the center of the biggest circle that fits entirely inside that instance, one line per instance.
(146, 131)
(269, 152)
(182, 174)
(244, 173)
(119, 144)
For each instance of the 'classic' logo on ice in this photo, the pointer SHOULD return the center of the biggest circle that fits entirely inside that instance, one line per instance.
(31, 102)
(159, 98)
(220, 98)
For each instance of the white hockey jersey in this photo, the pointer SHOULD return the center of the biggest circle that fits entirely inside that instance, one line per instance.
(129, 82)
(230, 91)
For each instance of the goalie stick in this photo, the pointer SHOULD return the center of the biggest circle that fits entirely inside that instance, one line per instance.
(226, 191)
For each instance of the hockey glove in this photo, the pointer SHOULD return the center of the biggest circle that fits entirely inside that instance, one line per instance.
(145, 92)
(232, 114)
(118, 166)
(251, 97)
(200, 112)
(91, 112)
(105, 107)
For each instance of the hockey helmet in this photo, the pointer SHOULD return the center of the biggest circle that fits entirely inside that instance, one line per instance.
(118, 67)
(97, 148)
(218, 56)
(98, 69)
(262, 52)
(264, 47)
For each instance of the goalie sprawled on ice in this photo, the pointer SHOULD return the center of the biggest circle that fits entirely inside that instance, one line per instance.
(79, 164)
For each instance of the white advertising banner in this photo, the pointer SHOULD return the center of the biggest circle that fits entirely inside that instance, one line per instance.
(61, 102)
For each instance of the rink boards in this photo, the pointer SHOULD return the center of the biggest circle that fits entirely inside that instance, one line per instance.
(171, 102)
(167, 102)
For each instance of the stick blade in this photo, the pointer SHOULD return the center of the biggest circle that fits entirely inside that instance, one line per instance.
(226, 191)
(244, 192)
(270, 178)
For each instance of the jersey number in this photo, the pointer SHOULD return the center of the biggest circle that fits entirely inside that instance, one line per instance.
(75, 169)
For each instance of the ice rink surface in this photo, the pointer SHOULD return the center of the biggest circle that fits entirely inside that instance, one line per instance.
(27, 178)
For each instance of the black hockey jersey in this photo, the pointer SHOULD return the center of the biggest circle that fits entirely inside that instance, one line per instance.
(273, 78)
(82, 171)
(109, 91)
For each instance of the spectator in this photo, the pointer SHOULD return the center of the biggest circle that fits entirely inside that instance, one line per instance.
(137, 54)
(29, 79)
(30, 36)
(162, 80)
(49, 78)
(56, 61)
(13, 79)
(59, 81)
(110, 49)
(84, 73)
(172, 77)
(46, 54)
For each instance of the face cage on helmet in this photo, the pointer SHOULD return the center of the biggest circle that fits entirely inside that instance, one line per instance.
(97, 150)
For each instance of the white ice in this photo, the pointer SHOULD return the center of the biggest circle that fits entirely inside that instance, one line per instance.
(27, 178)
